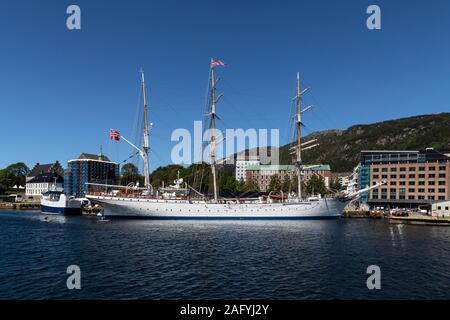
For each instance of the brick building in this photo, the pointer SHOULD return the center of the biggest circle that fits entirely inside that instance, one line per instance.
(262, 174)
(412, 177)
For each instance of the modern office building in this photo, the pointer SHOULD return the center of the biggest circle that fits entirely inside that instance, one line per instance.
(262, 174)
(89, 168)
(412, 177)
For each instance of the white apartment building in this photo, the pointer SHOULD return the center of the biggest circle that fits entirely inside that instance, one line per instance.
(43, 183)
(241, 166)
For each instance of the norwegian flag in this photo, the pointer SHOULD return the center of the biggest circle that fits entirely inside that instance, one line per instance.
(215, 63)
(114, 135)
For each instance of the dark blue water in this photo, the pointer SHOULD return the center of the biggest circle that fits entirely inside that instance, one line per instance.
(212, 259)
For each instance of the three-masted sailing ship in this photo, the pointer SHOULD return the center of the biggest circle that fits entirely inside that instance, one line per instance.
(145, 202)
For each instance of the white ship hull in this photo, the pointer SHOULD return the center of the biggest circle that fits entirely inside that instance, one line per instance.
(184, 209)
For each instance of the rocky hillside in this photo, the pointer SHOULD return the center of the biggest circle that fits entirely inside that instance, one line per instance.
(341, 149)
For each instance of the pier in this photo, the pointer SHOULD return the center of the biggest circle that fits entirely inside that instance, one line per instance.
(20, 206)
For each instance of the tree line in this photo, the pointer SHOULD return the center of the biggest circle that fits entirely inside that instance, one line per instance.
(13, 175)
(199, 177)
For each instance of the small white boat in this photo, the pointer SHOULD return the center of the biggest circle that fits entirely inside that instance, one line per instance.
(56, 202)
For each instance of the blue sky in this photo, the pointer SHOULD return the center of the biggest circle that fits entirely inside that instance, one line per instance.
(61, 90)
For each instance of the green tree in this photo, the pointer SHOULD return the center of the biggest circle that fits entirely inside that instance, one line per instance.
(335, 184)
(287, 185)
(227, 182)
(251, 186)
(316, 185)
(13, 175)
(130, 173)
(240, 186)
(167, 174)
(274, 184)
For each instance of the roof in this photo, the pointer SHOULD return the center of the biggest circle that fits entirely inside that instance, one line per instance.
(47, 177)
(44, 168)
(90, 156)
(389, 151)
(285, 167)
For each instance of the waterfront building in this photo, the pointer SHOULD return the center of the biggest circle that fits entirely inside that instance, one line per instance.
(262, 174)
(49, 168)
(42, 183)
(352, 185)
(412, 178)
(441, 209)
(89, 168)
(241, 166)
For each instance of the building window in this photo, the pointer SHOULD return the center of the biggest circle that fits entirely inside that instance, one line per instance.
(411, 197)
(421, 176)
(421, 197)
(431, 175)
(384, 169)
(431, 190)
(402, 183)
(411, 190)
(412, 168)
(403, 176)
(442, 183)
(441, 190)
(430, 197)
(393, 169)
(393, 183)
(375, 176)
(421, 190)
(412, 176)
(441, 175)
(402, 168)
(384, 176)
(431, 168)
(375, 170)
(412, 183)
(421, 183)
(442, 168)
(421, 168)
(393, 176)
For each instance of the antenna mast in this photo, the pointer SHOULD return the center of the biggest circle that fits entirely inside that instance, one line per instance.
(299, 145)
(212, 127)
(145, 147)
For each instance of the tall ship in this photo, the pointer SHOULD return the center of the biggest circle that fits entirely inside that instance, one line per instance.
(177, 201)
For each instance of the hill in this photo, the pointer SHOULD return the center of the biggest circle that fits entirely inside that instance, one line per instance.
(341, 148)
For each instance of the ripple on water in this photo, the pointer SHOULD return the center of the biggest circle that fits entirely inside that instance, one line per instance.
(228, 260)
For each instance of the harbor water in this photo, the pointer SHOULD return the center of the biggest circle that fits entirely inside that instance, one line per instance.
(146, 259)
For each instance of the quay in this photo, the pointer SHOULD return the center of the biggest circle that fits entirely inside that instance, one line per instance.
(20, 206)
(424, 220)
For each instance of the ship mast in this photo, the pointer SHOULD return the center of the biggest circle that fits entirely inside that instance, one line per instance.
(299, 145)
(145, 147)
(212, 127)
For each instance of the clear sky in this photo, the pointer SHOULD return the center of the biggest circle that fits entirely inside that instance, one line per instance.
(61, 90)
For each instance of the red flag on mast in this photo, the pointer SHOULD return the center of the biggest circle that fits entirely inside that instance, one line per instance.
(215, 63)
(114, 135)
